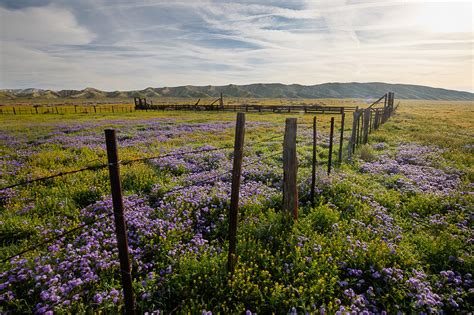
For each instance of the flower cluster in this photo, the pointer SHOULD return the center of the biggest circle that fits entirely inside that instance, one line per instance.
(414, 167)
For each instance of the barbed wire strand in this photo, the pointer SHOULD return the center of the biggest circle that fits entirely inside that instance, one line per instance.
(213, 177)
(50, 240)
(64, 234)
(26, 182)
(97, 167)
(55, 238)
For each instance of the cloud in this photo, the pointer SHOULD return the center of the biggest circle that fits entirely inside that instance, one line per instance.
(48, 25)
(129, 45)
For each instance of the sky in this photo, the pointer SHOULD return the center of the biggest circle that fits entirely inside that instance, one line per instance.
(127, 45)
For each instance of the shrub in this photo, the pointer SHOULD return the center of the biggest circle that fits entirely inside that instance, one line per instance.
(366, 153)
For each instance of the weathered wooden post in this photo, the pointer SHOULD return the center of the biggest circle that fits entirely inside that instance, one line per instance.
(352, 140)
(379, 122)
(234, 196)
(75, 109)
(366, 126)
(95, 109)
(376, 117)
(359, 123)
(370, 122)
(120, 225)
(389, 101)
(313, 165)
(14, 111)
(331, 137)
(393, 102)
(341, 136)
(290, 167)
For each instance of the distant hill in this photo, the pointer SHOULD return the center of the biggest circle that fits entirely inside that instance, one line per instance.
(258, 90)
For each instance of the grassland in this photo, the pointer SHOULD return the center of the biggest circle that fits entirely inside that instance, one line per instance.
(391, 231)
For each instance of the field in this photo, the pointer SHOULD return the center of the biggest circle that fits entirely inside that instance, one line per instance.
(391, 230)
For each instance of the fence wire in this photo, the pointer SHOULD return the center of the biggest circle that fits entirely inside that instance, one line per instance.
(178, 188)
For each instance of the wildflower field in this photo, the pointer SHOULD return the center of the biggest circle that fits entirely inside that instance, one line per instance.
(391, 231)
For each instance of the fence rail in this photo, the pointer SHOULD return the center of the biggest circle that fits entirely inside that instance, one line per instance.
(64, 109)
(277, 108)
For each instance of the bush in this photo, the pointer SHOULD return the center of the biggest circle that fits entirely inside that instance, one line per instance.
(366, 153)
(323, 218)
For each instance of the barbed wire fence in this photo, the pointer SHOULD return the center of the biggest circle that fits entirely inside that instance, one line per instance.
(364, 122)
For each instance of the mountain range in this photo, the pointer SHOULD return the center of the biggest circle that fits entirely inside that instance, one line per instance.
(258, 90)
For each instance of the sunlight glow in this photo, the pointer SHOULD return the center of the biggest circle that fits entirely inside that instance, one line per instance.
(446, 17)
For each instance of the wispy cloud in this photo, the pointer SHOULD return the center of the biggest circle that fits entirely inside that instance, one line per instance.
(129, 45)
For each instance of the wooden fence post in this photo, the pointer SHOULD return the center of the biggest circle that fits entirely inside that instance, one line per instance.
(380, 118)
(75, 109)
(370, 122)
(290, 167)
(14, 111)
(341, 137)
(234, 197)
(331, 136)
(358, 128)
(366, 126)
(120, 225)
(313, 165)
(376, 116)
(352, 140)
(393, 101)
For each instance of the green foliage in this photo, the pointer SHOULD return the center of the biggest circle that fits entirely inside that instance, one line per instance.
(366, 153)
(323, 218)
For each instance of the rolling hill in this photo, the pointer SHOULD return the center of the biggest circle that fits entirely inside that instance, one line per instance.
(258, 90)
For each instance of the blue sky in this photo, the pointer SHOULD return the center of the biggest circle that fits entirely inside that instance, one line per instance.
(125, 45)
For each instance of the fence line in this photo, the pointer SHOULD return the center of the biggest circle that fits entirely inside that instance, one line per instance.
(359, 135)
(63, 109)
